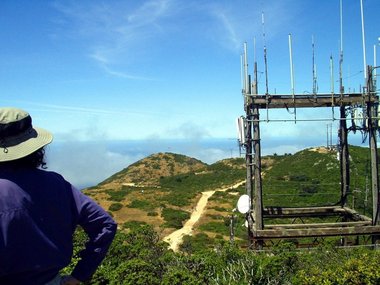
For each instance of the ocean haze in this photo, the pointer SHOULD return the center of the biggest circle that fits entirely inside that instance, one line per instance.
(87, 163)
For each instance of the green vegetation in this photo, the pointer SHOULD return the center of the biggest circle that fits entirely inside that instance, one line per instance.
(141, 204)
(115, 207)
(306, 178)
(118, 195)
(132, 225)
(310, 178)
(182, 189)
(138, 257)
(174, 218)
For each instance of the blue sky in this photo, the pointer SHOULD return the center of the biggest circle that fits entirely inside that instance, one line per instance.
(170, 69)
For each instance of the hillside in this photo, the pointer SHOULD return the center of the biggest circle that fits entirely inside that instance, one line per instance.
(148, 171)
(163, 189)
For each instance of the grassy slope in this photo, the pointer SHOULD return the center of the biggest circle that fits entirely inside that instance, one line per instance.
(167, 187)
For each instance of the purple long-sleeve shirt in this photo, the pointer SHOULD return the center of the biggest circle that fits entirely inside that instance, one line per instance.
(39, 212)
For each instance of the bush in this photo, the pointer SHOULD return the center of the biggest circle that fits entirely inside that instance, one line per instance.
(117, 196)
(174, 218)
(140, 258)
(140, 204)
(135, 272)
(115, 207)
(133, 225)
(180, 277)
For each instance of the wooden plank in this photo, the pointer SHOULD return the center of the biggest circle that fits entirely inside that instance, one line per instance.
(316, 232)
(353, 215)
(327, 211)
(318, 225)
(278, 212)
(302, 101)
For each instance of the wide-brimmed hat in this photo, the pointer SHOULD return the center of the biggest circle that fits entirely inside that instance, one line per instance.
(18, 137)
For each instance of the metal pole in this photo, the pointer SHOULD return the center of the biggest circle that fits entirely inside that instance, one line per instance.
(344, 158)
(248, 158)
(363, 40)
(371, 110)
(258, 203)
(292, 76)
(314, 69)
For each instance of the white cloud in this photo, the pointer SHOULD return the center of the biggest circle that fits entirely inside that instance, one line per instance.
(86, 163)
(115, 33)
(188, 130)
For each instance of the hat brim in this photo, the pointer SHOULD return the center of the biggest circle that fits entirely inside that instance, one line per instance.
(39, 140)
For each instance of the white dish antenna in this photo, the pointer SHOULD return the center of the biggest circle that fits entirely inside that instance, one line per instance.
(243, 204)
(240, 126)
(358, 117)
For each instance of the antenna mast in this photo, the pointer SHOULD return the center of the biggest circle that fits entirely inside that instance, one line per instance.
(363, 37)
(265, 62)
(314, 69)
(341, 88)
(265, 55)
(292, 76)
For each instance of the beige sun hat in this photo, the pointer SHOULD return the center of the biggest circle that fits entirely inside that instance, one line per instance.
(18, 137)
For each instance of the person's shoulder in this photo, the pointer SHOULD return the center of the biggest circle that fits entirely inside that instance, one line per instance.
(51, 175)
(47, 172)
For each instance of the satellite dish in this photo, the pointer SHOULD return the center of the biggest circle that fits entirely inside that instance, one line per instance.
(358, 118)
(240, 126)
(243, 204)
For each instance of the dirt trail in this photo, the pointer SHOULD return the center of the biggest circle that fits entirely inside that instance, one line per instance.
(175, 238)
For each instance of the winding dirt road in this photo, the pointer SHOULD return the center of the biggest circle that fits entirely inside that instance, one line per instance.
(175, 238)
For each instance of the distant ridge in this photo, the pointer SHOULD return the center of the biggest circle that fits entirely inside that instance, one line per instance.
(148, 171)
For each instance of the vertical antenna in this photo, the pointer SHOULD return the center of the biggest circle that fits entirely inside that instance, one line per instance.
(332, 83)
(265, 61)
(341, 26)
(331, 75)
(245, 76)
(246, 83)
(254, 49)
(363, 37)
(341, 88)
(292, 74)
(291, 64)
(314, 69)
(375, 68)
(242, 73)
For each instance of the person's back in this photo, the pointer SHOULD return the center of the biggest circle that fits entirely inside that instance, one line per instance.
(39, 212)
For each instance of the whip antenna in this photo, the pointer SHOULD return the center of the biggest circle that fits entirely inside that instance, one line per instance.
(265, 62)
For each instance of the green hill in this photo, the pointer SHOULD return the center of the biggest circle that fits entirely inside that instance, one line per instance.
(311, 177)
(163, 189)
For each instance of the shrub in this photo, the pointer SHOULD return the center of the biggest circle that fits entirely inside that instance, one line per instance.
(115, 207)
(117, 196)
(174, 218)
(140, 204)
(180, 277)
(133, 225)
(135, 272)
(140, 258)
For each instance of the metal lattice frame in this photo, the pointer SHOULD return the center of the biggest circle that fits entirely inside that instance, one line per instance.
(351, 222)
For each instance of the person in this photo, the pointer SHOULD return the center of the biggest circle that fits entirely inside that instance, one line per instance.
(40, 210)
